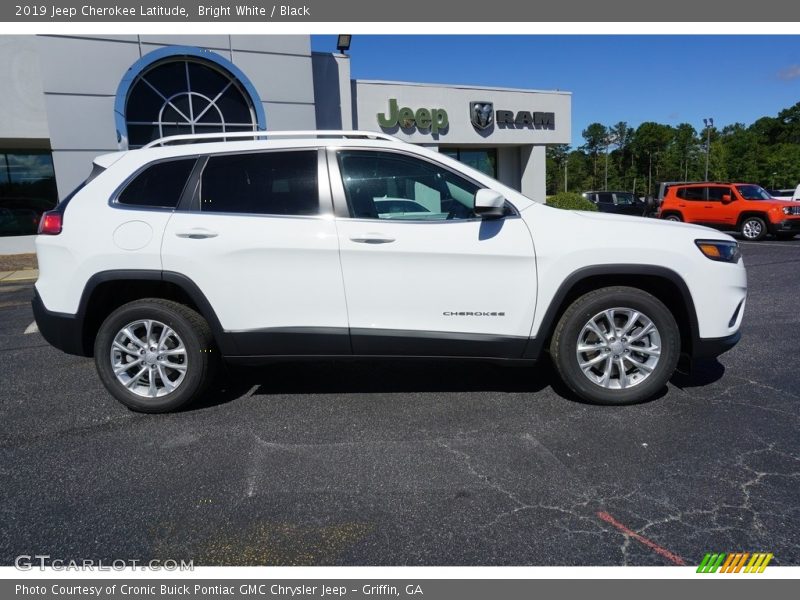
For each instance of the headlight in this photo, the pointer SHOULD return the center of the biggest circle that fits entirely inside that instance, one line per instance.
(719, 250)
(791, 210)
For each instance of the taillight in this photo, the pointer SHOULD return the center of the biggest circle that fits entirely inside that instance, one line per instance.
(50, 223)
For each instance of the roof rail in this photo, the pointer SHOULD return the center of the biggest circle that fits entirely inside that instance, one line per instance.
(270, 134)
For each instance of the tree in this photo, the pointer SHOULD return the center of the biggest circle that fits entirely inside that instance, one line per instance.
(651, 140)
(596, 136)
(686, 146)
(558, 156)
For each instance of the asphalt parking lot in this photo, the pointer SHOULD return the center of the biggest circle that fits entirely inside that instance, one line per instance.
(410, 463)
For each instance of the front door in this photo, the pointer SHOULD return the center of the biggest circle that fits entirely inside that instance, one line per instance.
(423, 274)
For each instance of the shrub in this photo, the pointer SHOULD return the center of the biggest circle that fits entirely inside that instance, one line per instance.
(570, 201)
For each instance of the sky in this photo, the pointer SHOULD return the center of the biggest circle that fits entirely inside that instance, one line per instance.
(669, 79)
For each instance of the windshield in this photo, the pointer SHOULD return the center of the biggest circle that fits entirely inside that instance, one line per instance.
(753, 192)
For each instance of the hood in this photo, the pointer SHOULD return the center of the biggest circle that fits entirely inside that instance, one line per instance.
(660, 224)
(776, 202)
(622, 227)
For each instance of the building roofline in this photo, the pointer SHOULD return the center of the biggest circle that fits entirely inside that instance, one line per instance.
(460, 86)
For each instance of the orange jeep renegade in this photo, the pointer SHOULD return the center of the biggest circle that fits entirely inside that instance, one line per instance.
(742, 207)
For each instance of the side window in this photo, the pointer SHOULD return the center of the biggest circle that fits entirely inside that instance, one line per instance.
(715, 193)
(267, 183)
(386, 185)
(606, 197)
(159, 186)
(692, 193)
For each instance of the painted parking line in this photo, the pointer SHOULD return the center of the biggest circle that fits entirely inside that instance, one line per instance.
(670, 556)
(32, 328)
(769, 244)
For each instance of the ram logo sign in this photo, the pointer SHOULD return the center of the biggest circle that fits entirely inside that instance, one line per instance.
(481, 114)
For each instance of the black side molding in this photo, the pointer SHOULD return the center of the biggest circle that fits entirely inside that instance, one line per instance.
(391, 342)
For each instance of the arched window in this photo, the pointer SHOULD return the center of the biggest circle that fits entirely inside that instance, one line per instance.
(184, 93)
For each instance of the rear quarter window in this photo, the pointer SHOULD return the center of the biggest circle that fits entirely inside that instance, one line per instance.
(159, 185)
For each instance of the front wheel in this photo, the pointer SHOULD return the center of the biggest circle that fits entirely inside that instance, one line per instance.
(616, 345)
(675, 217)
(753, 228)
(154, 355)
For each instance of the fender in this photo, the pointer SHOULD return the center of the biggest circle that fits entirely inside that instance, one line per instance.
(536, 343)
(189, 287)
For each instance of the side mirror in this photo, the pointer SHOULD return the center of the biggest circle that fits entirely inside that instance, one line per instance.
(489, 204)
(726, 198)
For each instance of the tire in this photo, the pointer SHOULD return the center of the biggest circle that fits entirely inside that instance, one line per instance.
(753, 228)
(603, 384)
(176, 376)
(673, 217)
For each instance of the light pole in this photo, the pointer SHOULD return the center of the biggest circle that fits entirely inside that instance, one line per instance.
(773, 180)
(566, 162)
(709, 123)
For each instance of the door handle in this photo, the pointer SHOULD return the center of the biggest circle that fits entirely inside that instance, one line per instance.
(196, 233)
(372, 238)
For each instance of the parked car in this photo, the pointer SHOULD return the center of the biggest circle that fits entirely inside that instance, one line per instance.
(172, 258)
(786, 194)
(743, 207)
(621, 203)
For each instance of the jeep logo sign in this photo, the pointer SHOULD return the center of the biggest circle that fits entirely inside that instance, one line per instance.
(433, 119)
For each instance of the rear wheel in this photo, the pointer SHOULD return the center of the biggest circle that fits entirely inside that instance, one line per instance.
(154, 355)
(673, 217)
(616, 345)
(753, 228)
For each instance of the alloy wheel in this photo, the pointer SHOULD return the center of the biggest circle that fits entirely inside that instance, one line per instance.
(149, 358)
(618, 348)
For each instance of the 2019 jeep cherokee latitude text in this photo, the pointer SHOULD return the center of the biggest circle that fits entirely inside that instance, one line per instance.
(174, 257)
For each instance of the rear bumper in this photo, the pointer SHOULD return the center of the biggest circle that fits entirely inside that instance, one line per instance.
(713, 347)
(61, 330)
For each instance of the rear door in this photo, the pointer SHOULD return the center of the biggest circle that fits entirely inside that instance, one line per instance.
(260, 242)
(605, 202)
(693, 204)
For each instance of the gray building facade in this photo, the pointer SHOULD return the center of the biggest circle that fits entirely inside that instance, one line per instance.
(71, 98)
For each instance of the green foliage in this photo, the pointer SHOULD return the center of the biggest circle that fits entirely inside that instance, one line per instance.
(570, 201)
(767, 152)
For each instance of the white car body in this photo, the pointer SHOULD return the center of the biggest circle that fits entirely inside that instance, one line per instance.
(467, 287)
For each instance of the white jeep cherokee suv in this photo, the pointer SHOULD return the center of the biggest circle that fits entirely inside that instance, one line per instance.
(173, 257)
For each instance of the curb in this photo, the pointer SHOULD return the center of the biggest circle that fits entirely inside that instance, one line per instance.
(18, 276)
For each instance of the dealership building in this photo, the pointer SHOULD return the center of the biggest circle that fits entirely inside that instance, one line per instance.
(68, 99)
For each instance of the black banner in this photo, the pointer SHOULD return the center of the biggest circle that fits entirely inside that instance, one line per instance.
(465, 11)
(406, 589)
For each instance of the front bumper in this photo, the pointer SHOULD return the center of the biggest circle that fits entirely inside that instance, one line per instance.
(61, 330)
(787, 225)
(713, 347)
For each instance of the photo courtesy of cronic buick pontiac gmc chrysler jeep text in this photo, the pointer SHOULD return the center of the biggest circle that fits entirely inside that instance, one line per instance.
(177, 256)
